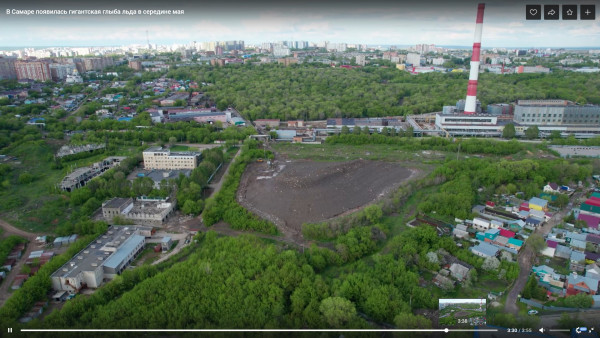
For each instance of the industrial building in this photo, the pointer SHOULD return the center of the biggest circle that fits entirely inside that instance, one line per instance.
(555, 112)
(374, 123)
(470, 125)
(100, 261)
(80, 176)
(140, 211)
(164, 159)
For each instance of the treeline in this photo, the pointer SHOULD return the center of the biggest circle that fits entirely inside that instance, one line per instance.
(473, 180)
(316, 92)
(7, 244)
(468, 146)
(189, 191)
(224, 205)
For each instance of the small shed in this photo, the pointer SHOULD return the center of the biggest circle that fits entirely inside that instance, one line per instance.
(166, 243)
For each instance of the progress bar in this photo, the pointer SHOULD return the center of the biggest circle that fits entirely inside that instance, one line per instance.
(259, 330)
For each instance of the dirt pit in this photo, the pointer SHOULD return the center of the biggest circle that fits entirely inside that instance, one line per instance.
(292, 192)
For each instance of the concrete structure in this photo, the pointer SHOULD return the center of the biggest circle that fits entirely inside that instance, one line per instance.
(470, 105)
(80, 176)
(263, 123)
(7, 68)
(579, 151)
(141, 210)
(100, 261)
(33, 70)
(164, 159)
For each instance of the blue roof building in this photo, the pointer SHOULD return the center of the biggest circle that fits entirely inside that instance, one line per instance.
(484, 250)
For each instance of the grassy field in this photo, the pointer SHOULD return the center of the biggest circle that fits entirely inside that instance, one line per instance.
(343, 152)
(39, 205)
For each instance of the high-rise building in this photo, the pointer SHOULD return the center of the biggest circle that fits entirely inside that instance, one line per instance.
(413, 59)
(280, 50)
(60, 72)
(360, 60)
(7, 68)
(135, 64)
(33, 70)
(218, 50)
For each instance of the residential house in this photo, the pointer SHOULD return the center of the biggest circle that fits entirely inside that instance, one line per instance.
(461, 231)
(442, 281)
(495, 224)
(594, 239)
(507, 233)
(551, 187)
(549, 278)
(592, 271)
(533, 221)
(459, 271)
(481, 224)
(537, 203)
(592, 221)
(484, 250)
(501, 240)
(577, 261)
(577, 284)
(563, 252)
(578, 245)
(514, 243)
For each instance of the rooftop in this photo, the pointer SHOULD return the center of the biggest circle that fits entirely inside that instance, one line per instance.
(125, 249)
(117, 202)
(98, 252)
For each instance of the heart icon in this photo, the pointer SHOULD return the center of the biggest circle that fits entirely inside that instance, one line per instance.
(533, 11)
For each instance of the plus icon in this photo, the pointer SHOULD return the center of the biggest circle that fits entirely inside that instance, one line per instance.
(588, 12)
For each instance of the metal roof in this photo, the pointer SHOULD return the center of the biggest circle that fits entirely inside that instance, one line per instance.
(538, 201)
(124, 250)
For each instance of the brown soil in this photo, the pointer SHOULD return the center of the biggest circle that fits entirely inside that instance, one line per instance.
(292, 192)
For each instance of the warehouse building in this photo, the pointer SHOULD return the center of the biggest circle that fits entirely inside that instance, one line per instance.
(164, 159)
(100, 261)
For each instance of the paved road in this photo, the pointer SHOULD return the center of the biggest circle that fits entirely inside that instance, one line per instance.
(527, 257)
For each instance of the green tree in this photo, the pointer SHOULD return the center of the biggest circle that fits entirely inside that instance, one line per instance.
(410, 321)
(345, 130)
(338, 311)
(568, 322)
(509, 131)
(580, 300)
(554, 135)
(373, 213)
(536, 242)
(532, 132)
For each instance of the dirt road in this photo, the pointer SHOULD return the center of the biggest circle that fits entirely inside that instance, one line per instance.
(11, 230)
(31, 246)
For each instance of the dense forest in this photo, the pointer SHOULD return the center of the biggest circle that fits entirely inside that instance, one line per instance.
(315, 92)
(244, 283)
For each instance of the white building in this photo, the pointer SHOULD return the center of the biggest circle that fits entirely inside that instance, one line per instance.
(414, 59)
(159, 158)
(280, 50)
(101, 260)
(141, 211)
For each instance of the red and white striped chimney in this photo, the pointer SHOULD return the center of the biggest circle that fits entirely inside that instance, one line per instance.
(471, 102)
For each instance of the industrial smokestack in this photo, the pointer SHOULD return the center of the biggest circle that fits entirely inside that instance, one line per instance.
(471, 102)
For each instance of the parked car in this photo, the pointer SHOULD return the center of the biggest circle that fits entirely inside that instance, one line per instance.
(532, 312)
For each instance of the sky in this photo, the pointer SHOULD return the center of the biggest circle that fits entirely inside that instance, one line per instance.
(373, 22)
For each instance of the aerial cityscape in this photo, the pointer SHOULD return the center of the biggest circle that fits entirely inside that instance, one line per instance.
(373, 170)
